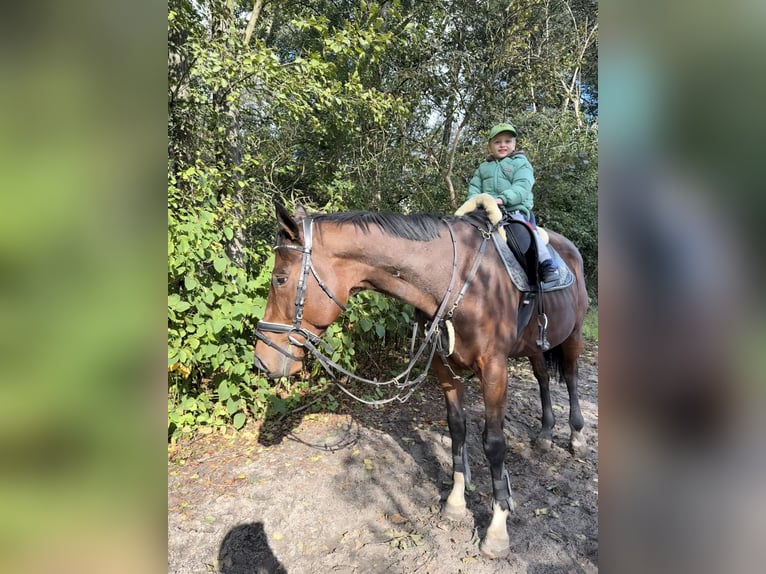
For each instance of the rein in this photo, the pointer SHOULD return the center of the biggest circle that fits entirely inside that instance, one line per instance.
(311, 341)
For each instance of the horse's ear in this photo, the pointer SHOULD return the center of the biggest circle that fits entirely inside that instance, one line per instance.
(300, 211)
(287, 224)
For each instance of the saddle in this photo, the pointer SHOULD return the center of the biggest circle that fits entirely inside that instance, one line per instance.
(517, 249)
(516, 246)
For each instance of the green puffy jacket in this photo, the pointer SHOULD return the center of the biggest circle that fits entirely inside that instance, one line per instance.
(510, 178)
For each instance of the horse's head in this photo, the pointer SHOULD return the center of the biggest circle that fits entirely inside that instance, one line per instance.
(301, 303)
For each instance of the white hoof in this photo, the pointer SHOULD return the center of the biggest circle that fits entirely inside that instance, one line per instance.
(496, 543)
(577, 443)
(455, 506)
(454, 511)
(544, 444)
(495, 547)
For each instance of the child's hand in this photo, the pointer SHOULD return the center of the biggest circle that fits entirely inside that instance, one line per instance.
(499, 201)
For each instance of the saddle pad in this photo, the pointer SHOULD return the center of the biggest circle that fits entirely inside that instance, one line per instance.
(519, 276)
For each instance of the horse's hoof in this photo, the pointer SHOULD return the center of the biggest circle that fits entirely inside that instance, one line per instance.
(577, 444)
(454, 512)
(544, 443)
(495, 547)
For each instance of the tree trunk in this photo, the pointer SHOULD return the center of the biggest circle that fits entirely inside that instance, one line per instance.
(232, 156)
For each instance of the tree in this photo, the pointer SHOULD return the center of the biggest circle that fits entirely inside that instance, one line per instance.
(245, 121)
(350, 105)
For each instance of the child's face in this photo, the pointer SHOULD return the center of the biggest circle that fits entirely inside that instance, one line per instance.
(502, 145)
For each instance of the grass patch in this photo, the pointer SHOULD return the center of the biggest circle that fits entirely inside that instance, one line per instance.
(590, 325)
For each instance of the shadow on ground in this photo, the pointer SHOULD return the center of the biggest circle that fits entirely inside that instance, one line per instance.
(245, 550)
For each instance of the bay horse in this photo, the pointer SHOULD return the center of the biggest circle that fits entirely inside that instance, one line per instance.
(424, 259)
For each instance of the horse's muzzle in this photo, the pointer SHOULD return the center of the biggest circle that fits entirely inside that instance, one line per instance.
(258, 364)
(284, 368)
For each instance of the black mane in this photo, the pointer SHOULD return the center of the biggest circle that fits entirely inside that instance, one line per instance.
(416, 227)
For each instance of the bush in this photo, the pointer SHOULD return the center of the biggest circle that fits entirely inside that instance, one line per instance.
(212, 311)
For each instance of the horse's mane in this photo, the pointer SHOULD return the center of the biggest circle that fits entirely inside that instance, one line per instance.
(477, 217)
(415, 227)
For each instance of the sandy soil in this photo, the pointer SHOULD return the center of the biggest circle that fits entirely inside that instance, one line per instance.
(359, 490)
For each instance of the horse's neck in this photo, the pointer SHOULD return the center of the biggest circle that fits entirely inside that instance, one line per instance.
(415, 272)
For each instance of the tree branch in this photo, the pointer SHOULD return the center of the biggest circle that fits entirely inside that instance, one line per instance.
(253, 19)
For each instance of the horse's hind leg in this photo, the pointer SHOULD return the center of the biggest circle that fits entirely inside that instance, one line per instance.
(545, 438)
(570, 352)
(455, 506)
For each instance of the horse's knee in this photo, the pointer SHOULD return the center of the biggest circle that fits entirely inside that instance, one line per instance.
(456, 421)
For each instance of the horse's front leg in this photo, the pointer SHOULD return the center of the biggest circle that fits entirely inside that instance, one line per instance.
(495, 389)
(455, 506)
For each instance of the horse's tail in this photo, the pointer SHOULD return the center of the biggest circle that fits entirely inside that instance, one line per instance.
(554, 361)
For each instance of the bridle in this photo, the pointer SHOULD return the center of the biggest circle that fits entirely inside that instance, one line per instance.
(311, 340)
(300, 300)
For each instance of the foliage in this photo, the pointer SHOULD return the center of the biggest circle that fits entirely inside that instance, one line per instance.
(211, 306)
(220, 184)
(565, 158)
(347, 105)
(371, 326)
(590, 326)
(368, 339)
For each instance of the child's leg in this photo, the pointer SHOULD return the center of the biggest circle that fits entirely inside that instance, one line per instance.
(543, 254)
(549, 271)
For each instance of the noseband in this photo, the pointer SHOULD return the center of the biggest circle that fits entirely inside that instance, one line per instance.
(300, 300)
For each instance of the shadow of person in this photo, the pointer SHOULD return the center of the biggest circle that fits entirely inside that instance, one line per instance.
(245, 550)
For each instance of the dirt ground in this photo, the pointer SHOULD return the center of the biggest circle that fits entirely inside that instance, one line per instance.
(359, 490)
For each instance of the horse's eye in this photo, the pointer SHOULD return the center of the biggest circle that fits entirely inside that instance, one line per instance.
(280, 280)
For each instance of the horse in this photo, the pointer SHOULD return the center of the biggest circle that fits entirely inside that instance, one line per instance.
(321, 260)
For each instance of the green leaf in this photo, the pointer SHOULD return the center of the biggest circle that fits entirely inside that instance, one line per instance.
(223, 391)
(190, 282)
(232, 406)
(210, 350)
(218, 325)
(380, 330)
(227, 231)
(220, 264)
(239, 420)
